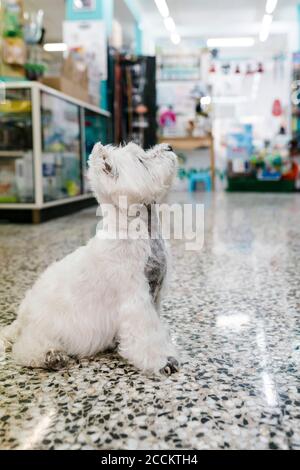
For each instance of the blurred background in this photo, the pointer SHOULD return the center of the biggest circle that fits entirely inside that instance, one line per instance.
(218, 80)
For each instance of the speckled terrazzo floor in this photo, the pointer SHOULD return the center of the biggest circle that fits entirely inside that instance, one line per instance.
(234, 310)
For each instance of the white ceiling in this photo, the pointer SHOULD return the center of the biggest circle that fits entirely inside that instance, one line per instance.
(220, 18)
(194, 19)
(123, 15)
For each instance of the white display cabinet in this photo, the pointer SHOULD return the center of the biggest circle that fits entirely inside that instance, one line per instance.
(45, 139)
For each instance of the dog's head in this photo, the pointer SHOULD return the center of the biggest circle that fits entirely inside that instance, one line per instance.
(141, 176)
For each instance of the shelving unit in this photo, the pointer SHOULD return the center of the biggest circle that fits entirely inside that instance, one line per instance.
(45, 139)
(178, 67)
(296, 99)
(134, 97)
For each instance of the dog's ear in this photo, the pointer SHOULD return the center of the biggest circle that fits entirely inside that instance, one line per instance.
(100, 160)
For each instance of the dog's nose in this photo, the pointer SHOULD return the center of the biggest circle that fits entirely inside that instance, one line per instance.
(169, 148)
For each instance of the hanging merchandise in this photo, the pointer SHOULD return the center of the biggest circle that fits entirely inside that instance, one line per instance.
(13, 45)
(212, 68)
(167, 118)
(237, 69)
(12, 18)
(226, 69)
(214, 53)
(13, 51)
(33, 34)
(277, 108)
(260, 68)
(33, 26)
(134, 98)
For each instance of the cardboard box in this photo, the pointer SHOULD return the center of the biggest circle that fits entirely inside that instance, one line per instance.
(73, 80)
(66, 86)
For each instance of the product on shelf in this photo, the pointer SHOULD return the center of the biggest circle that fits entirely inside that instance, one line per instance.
(12, 45)
(7, 181)
(24, 178)
(61, 148)
(182, 111)
(16, 155)
(265, 168)
(73, 79)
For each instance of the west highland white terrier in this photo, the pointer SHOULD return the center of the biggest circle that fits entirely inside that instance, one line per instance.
(108, 291)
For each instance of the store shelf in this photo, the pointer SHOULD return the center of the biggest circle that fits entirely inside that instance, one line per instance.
(193, 143)
(11, 154)
(187, 143)
(254, 185)
(14, 106)
(59, 94)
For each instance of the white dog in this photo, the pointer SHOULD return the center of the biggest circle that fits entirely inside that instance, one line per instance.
(109, 290)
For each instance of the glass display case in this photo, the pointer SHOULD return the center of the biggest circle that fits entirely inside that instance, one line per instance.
(61, 158)
(45, 140)
(16, 147)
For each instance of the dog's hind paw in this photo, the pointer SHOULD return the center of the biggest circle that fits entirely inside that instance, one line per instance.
(55, 360)
(171, 367)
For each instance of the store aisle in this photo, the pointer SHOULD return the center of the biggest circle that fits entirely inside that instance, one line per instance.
(233, 310)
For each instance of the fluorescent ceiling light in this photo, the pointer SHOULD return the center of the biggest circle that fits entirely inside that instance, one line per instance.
(55, 47)
(270, 6)
(230, 42)
(162, 8)
(169, 24)
(265, 27)
(175, 38)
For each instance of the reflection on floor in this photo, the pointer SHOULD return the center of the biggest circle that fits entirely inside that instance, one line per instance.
(233, 309)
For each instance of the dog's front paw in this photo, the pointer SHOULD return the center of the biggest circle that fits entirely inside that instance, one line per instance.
(171, 367)
(112, 347)
(55, 360)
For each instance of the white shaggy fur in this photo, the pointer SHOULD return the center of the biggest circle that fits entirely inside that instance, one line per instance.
(99, 293)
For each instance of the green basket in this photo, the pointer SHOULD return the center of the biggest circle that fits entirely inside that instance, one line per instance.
(251, 184)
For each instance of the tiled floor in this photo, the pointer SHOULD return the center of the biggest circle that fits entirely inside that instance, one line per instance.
(234, 310)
